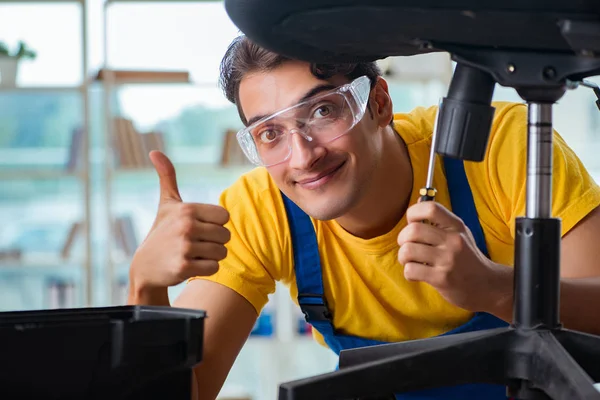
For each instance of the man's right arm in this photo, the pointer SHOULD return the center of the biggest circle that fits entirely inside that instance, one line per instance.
(230, 318)
(188, 240)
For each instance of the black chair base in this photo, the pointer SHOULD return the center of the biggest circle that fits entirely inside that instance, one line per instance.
(532, 364)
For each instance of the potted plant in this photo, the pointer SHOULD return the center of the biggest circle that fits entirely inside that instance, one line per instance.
(9, 62)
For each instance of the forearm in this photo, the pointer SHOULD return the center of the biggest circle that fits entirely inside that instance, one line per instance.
(579, 299)
(579, 304)
(195, 394)
(140, 295)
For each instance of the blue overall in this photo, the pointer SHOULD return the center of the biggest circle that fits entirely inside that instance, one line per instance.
(307, 266)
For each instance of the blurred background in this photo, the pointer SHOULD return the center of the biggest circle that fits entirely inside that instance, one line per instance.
(87, 88)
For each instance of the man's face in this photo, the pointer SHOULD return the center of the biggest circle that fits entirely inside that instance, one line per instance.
(325, 180)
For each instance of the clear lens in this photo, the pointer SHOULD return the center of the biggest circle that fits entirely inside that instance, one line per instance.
(323, 119)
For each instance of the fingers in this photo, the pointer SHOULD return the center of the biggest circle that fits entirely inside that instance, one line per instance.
(204, 250)
(198, 267)
(200, 259)
(419, 232)
(194, 230)
(437, 278)
(436, 214)
(417, 253)
(209, 213)
(416, 272)
(210, 233)
(212, 214)
(169, 192)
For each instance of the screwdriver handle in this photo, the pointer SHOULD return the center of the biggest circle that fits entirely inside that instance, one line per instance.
(427, 194)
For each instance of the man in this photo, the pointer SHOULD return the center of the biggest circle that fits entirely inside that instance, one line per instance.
(333, 212)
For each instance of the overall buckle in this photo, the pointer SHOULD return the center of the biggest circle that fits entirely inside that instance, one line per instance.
(315, 312)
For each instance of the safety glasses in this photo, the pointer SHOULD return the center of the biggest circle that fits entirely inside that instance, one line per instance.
(321, 119)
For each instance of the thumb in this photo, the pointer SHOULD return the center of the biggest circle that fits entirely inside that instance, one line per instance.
(167, 178)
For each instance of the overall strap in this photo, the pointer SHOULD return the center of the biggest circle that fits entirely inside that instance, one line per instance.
(307, 262)
(462, 201)
(307, 265)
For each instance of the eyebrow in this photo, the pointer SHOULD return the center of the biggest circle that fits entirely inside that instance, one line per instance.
(312, 92)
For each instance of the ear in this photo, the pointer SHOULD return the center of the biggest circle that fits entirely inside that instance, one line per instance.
(382, 103)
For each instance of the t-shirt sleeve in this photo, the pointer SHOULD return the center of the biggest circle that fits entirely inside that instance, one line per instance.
(574, 192)
(245, 269)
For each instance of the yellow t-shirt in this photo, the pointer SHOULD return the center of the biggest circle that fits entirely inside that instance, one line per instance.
(363, 282)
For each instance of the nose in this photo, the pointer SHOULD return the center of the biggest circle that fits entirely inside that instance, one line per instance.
(305, 152)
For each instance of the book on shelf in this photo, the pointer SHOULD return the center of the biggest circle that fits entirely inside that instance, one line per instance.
(125, 236)
(43, 242)
(61, 293)
(143, 76)
(11, 255)
(74, 231)
(76, 149)
(132, 147)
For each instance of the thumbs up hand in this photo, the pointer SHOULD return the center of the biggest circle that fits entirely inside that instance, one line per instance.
(186, 239)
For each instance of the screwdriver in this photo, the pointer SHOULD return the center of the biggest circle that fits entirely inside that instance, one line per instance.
(428, 192)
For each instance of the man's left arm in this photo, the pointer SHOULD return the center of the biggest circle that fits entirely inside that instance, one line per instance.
(575, 200)
(580, 279)
(444, 254)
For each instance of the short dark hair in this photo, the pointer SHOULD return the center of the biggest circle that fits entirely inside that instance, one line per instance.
(244, 56)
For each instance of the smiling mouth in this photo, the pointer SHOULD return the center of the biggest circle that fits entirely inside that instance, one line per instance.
(321, 179)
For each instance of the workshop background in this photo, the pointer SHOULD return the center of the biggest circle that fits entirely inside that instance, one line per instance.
(87, 89)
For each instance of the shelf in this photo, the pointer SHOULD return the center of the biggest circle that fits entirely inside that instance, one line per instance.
(108, 2)
(38, 89)
(140, 82)
(41, 1)
(191, 85)
(124, 77)
(19, 161)
(37, 269)
(40, 261)
(119, 85)
(38, 174)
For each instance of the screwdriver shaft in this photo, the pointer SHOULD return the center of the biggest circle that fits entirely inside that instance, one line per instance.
(428, 192)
